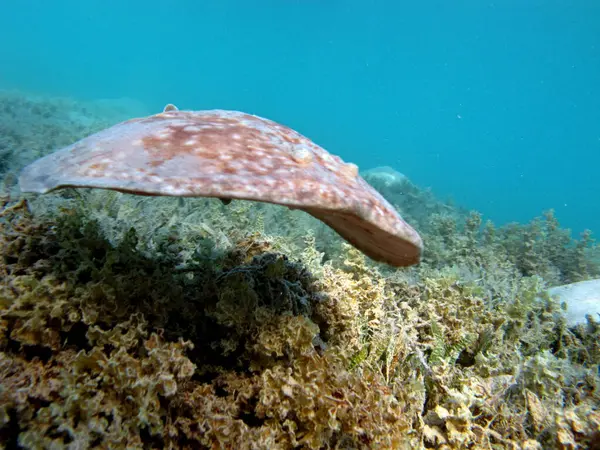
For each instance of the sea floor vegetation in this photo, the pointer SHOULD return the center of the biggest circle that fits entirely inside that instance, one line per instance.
(136, 322)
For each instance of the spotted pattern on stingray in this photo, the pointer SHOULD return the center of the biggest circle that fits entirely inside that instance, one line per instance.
(231, 155)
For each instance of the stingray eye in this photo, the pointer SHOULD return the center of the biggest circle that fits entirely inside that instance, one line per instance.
(170, 107)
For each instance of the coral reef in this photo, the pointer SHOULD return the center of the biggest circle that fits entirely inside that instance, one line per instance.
(129, 322)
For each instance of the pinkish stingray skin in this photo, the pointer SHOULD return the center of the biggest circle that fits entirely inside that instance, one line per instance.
(231, 155)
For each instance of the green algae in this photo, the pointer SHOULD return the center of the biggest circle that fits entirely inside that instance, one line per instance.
(110, 345)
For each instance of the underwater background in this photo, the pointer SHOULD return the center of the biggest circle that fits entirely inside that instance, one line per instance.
(159, 322)
(495, 104)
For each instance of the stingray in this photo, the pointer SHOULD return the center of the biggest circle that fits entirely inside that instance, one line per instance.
(231, 155)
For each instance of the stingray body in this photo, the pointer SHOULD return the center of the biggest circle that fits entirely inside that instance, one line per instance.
(231, 155)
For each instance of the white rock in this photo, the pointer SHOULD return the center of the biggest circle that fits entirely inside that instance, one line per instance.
(581, 298)
(386, 175)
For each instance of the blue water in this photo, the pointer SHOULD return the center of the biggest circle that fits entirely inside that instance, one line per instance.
(495, 104)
